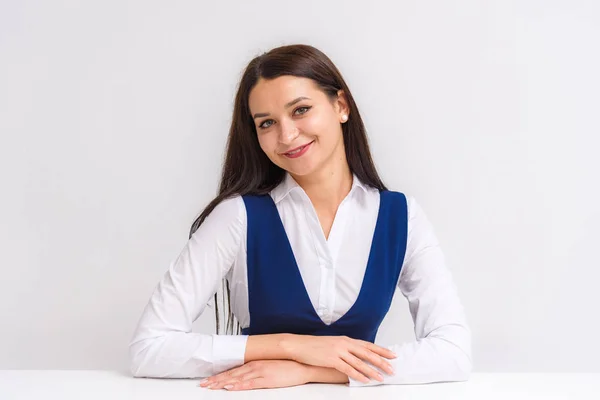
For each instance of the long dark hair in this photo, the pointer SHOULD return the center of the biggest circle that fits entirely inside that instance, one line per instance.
(247, 169)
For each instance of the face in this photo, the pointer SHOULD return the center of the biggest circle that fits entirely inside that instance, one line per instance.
(298, 125)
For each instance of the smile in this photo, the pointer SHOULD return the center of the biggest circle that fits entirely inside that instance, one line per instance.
(298, 151)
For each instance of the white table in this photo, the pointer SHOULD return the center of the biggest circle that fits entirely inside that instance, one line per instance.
(112, 385)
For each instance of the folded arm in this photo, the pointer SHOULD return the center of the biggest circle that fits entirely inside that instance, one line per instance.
(442, 349)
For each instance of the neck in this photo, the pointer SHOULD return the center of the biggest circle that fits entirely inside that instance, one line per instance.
(327, 187)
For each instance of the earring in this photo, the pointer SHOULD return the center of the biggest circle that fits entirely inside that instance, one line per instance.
(344, 118)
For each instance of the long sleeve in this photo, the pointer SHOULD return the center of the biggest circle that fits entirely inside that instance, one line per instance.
(163, 344)
(442, 349)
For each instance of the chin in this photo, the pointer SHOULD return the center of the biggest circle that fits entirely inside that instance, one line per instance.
(298, 168)
(299, 171)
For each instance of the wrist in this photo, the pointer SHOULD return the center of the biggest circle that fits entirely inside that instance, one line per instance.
(325, 375)
(268, 347)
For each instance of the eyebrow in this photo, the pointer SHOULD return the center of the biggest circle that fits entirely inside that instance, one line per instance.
(291, 103)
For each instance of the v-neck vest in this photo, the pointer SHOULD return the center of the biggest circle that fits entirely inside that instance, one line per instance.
(277, 298)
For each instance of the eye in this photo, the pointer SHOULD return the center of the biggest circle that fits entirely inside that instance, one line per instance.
(262, 125)
(303, 108)
(265, 124)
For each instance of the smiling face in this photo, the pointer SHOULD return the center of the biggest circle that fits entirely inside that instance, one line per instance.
(298, 125)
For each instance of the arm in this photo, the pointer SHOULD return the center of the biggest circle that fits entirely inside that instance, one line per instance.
(349, 357)
(267, 347)
(325, 375)
(264, 374)
(163, 344)
(442, 350)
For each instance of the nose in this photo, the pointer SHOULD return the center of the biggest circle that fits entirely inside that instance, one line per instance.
(288, 131)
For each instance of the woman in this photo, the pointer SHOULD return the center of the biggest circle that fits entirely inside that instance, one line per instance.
(312, 246)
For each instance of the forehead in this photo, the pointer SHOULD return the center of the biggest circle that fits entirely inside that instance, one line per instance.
(275, 93)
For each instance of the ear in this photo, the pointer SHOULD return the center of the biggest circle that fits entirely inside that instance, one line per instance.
(341, 104)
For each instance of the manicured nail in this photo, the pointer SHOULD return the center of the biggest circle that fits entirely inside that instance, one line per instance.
(227, 387)
(380, 377)
(203, 381)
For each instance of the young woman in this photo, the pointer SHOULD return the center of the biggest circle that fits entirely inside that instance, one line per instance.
(311, 245)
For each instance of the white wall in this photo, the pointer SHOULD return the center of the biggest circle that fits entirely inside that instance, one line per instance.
(113, 119)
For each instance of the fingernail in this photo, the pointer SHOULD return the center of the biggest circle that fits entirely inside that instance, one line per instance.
(203, 381)
(380, 376)
(227, 387)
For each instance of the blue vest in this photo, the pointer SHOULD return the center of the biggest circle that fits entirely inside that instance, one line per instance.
(277, 298)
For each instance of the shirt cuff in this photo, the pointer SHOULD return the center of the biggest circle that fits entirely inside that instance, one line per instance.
(228, 352)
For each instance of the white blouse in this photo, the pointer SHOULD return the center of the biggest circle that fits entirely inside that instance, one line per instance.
(332, 269)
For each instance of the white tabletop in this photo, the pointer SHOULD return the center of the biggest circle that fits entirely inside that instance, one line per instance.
(90, 385)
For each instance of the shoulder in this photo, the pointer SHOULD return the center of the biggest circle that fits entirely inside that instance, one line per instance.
(407, 199)
(228, 215)
(399, 196)
(218, 239)
(229, 208)
(394, 194)
(419, 227)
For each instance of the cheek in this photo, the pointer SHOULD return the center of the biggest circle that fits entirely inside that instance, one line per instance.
(310, 126)
(316, 125)
(323, 127)
(268, 143)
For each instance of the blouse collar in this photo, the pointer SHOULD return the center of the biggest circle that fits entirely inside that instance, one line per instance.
(289, 183)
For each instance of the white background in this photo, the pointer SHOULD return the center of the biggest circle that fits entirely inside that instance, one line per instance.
(113, 120)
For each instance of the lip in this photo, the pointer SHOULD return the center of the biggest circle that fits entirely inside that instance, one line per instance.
(304, 148)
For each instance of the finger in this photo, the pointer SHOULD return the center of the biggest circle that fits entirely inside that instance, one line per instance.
(239, 371)
(211, 380)
(234, 381)
(217, 377)
(345, 368)
(224, 375)
(362, 367)
(382, 351)
(221, 384)
(374, 359)
(250, 384)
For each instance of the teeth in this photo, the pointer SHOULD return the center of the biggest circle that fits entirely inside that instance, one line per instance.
(295, 151)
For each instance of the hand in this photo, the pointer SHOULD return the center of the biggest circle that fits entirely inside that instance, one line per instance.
(260, 374)
(347, 355)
